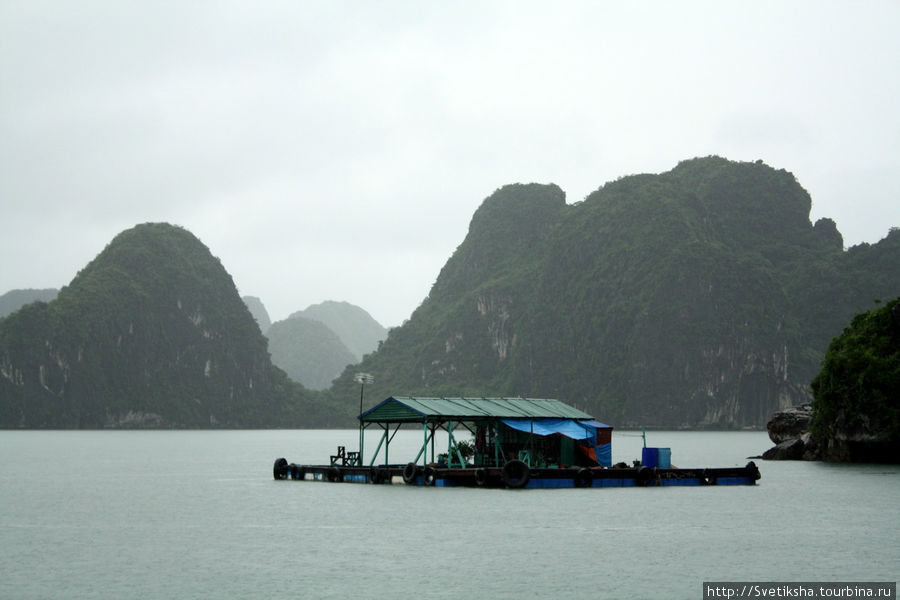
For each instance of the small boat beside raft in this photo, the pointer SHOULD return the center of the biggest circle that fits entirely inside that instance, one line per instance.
(515, 443)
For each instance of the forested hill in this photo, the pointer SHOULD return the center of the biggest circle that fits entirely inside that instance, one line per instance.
(353, 325)
(13, 300)
(308, 351)
(702, 296)
(151, 333)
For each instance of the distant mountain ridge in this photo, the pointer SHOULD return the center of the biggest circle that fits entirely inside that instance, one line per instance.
(13, 300)
(314, 345)
(308, 351)
(259, 312)
(699, 297)
(354, 326)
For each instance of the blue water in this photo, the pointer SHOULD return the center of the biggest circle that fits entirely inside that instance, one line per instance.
(196, 514)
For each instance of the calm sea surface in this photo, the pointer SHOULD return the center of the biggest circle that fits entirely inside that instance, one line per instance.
(197, 514)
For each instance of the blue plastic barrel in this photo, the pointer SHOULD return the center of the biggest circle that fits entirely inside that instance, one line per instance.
(657, 457)
(665, 458)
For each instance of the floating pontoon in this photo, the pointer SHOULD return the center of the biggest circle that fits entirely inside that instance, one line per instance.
(516, 443)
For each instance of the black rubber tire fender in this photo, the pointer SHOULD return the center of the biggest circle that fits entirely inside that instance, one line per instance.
(516, 474)
(644, 475)
(429, 475)
(754, 471)
(584, 478)
(333, 474)
(375, 475)
(280, 469)
(410, 471)
(481, 476)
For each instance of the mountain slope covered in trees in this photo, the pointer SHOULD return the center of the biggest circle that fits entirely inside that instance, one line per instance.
(702, 296)
(353, 325)
(151, 333)
(699, 297)
(315, 344)
(856, 406)
(308, 351)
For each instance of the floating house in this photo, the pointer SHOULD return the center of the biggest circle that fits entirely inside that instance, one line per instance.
(539, 432)
(515, 443)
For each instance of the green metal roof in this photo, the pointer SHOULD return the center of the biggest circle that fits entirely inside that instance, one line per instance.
(416, 410)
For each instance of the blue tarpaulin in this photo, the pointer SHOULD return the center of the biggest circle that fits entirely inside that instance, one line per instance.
(577, 430)
(604, 455)
(567, 427)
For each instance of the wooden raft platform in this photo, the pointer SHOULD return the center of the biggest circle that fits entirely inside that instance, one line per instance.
(516, 475)
(514, 443)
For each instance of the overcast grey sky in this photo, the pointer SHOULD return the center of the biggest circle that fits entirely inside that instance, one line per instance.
(337, 150)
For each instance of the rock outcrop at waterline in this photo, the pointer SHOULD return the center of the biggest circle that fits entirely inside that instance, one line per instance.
(790, 423)
(789, 430)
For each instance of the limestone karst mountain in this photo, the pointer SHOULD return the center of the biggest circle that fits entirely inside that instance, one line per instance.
(699, 297)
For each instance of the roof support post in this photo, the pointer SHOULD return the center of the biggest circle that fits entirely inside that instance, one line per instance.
(451, 443)
(434, 427)
(423, 451)
(499, 458)
(452, 447)
(378, 449)
(425, 444)
(531, 443)
(385, 441)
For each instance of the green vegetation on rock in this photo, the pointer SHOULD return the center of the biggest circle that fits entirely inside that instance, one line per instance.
(856, 406)
(152, 333)
(699, 297)
(356, 328)
(308, 351)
